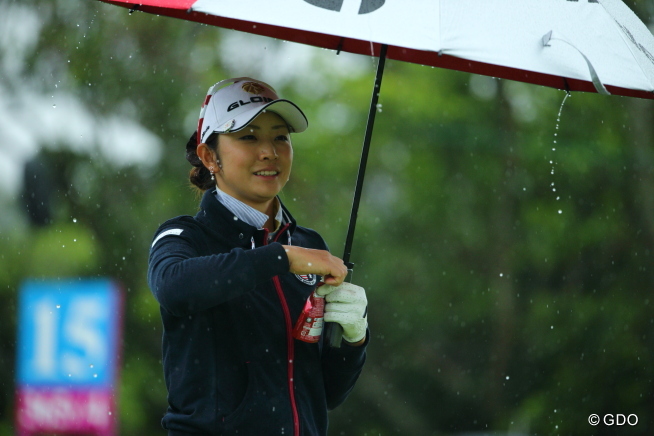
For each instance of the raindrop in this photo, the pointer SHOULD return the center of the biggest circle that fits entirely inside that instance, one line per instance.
(54, 106)
(58, 306)
(91, 366)
(560, 211)
(74, 220)
(507, 377)
(379, 107)
(95, 376)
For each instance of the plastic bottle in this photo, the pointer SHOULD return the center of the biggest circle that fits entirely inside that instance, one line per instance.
(308, 326)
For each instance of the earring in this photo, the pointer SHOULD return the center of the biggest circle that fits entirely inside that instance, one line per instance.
(211, 171)
(219, 165)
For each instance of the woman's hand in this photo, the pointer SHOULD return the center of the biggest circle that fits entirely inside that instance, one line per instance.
(321, 262)
(347, 305)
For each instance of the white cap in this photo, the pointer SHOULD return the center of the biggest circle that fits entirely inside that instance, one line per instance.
(232, 104)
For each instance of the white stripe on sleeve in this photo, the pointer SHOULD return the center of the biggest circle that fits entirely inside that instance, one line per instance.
(175, 232)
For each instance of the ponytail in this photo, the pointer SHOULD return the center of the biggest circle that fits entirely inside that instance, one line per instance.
(199, 176)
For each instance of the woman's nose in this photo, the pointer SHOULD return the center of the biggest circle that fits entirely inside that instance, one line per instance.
(268, 150)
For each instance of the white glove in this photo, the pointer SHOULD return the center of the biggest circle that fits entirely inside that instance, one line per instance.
(347, 305)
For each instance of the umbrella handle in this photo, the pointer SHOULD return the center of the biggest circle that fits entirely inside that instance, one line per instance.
(334, 330)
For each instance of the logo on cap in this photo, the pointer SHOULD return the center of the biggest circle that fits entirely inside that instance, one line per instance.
(253, 88)
(228, 126)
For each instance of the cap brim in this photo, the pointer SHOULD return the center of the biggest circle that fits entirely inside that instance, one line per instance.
(286, 109)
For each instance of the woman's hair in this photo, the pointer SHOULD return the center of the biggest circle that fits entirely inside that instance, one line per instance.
(200, 177)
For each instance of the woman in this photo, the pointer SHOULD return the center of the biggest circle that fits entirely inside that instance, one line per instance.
(232, 280)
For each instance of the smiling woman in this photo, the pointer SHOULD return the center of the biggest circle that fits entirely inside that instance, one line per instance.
(232, 280)
(255, 163)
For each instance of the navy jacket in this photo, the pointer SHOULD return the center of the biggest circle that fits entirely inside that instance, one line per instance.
(228, 305)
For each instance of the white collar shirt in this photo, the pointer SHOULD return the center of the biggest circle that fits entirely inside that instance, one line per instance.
(249, 214)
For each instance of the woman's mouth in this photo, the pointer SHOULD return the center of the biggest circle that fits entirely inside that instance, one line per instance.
(266, 173)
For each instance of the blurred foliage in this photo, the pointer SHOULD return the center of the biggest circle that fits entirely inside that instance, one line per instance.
(505, 235)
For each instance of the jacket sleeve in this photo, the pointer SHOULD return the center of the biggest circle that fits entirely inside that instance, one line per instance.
(341, 368)
(184, 282)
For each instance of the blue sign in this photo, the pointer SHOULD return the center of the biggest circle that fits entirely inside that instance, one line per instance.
(68, 333)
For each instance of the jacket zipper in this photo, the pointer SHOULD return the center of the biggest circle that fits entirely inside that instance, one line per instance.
(289, 339)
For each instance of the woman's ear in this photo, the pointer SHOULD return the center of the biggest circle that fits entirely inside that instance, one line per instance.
(207, 156)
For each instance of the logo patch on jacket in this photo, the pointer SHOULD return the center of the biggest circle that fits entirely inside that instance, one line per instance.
(307, 279)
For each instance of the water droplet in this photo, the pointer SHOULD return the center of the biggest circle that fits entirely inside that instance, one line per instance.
(74, 220)
(54, 106)
(507, 377)
(91, 366)
(58, 306)
(560, 211)
(95, 376)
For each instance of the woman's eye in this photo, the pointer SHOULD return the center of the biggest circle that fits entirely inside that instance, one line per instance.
(247, 138)
(282, 138)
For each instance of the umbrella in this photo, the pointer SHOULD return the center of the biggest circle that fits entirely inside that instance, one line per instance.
(576, 45)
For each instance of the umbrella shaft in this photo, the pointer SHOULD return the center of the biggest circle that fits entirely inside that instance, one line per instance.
(364, 156)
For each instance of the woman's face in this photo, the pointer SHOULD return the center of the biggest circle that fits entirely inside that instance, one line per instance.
(256, 161)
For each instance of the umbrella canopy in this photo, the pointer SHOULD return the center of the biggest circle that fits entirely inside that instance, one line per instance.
(576, 45)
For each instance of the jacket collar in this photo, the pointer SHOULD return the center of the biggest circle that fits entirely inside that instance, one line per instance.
(221, 220)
